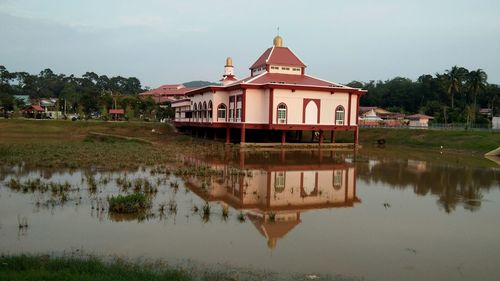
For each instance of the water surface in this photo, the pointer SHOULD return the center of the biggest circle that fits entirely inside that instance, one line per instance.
(372, 215)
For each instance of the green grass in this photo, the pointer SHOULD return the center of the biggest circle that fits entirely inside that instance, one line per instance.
(28, 268)
(129, 145)
(457, 140)
(471, 141)
(81, 144)
(132, 203)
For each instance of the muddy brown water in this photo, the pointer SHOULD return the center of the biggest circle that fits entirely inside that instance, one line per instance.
(370, 216)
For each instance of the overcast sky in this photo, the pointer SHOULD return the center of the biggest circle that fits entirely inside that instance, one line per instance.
(163, 42)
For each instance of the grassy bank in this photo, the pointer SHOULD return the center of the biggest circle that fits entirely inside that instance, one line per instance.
(123, 145)
(81, 144)
(44, 268)
(478, 142)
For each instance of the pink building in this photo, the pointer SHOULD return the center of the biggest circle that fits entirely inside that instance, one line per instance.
(278, 96)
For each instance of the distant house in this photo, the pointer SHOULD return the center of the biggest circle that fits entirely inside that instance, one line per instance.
(419, 120)
(183, 110)
(376, 116)
(166, 93)
(34, 111)
(117, 114)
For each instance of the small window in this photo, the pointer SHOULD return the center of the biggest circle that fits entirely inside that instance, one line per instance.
(339, 115)
(281, 113)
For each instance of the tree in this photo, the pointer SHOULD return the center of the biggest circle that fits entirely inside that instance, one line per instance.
(453, 79)
(476, 81)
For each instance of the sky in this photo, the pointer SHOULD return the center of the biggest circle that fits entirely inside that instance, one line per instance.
(168, 42)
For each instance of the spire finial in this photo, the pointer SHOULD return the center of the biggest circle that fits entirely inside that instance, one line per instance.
(278, 41)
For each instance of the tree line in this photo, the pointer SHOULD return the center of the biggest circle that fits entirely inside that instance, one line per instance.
(87, 95)
(454, 96)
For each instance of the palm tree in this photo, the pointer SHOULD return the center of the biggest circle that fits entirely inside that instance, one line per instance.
(476, 81)
(453, 78)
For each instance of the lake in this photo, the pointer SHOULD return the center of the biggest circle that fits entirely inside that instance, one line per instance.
(377, 214)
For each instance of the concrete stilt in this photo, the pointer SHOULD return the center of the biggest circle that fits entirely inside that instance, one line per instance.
(228, 136)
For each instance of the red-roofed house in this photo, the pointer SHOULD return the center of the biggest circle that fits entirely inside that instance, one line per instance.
(34, 111)
(278, 96)
(419, 120)
(117, 114)
(167, 93)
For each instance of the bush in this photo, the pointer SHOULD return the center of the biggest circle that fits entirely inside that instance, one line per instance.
(132, 203)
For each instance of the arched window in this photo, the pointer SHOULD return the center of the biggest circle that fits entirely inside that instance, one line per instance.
(339, 115)
(205, 109)
(337, 179)
(195, 111)
(279, 182)
(282, 113)
(221, 112)
(210, 109)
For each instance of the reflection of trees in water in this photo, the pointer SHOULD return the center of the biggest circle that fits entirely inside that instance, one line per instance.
(453, 185)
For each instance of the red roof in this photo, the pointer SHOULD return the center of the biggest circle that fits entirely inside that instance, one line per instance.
(167, 90)
(34, 108)
(278, 56)
(419, 116)
(116, 111)
(280, 78)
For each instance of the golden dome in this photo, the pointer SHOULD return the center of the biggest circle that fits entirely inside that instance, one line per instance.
(229, 61)
(278, 41)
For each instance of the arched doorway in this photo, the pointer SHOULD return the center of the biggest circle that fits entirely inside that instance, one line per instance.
(311, 112)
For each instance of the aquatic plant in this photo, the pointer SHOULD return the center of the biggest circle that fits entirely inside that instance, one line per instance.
(91, 184)
(131, 203)
(172, 206)
(241, 217)
(206, 211)
(225, 212)
(22, 222)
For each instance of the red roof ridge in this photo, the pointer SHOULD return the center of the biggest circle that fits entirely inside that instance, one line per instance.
(255, 77)
(333, 83)
(262, 59)
(270, 54)
(297, 56)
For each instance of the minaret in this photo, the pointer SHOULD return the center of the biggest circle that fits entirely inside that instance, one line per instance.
(228, 76)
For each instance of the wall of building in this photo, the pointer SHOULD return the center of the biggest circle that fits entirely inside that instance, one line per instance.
(257, 106)
(328, 104)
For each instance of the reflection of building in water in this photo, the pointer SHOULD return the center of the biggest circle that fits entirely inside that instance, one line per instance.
(417, 166)
(273, 193)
